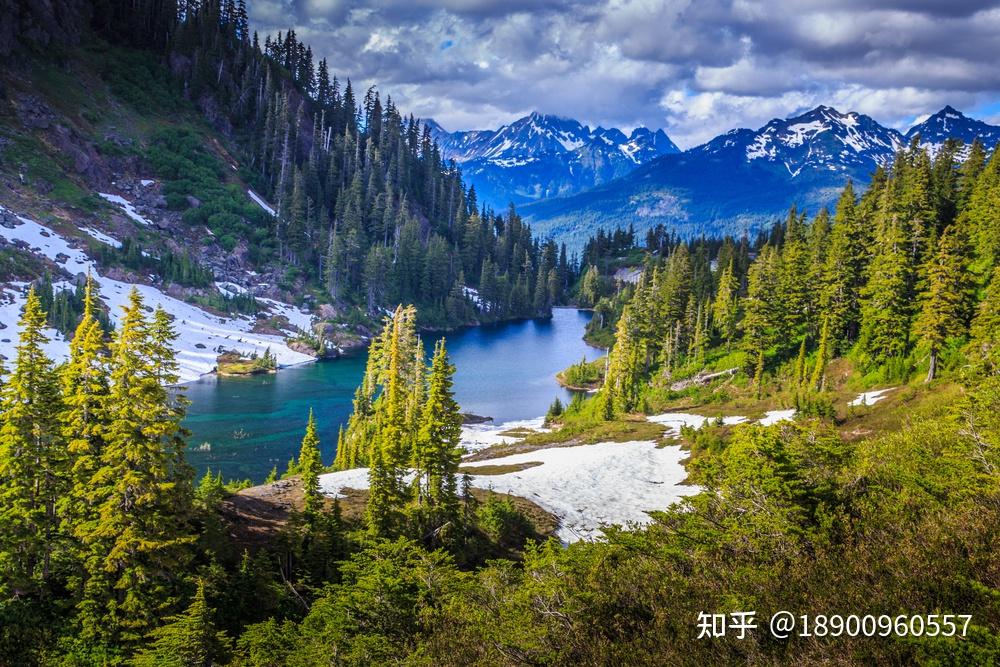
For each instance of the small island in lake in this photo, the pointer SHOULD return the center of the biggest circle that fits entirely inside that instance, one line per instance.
(233, 362)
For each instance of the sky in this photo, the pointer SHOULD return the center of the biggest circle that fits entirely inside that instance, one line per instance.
(695, 68)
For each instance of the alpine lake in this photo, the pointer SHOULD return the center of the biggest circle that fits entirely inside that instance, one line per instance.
(245, 426)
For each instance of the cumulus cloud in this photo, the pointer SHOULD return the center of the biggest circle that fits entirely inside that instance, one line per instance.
(694, 67)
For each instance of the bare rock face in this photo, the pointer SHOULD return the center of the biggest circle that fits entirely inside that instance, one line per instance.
(326, 312)
(33, 112)
(304, 348)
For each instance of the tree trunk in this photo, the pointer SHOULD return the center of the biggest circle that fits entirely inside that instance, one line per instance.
(932, 369)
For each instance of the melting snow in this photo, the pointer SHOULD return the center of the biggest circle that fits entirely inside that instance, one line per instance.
(11, 303)
(870, 397)
(798, 133)
(126, 206)
(586, 486)
(675, 420)
(260, 202)
(102, 237)
(200, 334)
(774, 416)
(481, 436)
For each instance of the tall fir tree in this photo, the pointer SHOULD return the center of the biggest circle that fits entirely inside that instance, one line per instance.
(137, 548)
(944, 303)
(310, 466)
(437, 454)
(33, 462)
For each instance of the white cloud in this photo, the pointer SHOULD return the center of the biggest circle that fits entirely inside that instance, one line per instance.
(695, 67)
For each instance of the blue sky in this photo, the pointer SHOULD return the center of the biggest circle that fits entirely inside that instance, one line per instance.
(693, 67)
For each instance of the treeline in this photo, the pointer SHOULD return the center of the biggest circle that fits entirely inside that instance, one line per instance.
(896, 279)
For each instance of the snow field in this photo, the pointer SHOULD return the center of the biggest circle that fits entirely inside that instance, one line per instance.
(200, 334)
(586, 487)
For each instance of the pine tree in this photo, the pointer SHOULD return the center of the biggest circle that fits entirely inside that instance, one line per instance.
(762, 315)
(622, 382)
(84, 418)
(437, 453)
(725, 309)
(189, 639)
(310, 466)
(33, 464)
(887, 303)
(843, 272)
(136, 550)
(800, 365)
(818, 380)
(985, 329)
(944, 302)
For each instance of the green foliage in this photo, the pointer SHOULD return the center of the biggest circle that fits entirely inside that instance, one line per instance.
(310, 466)
(189, 639)
(503, 522)
(584, 374)
(555, 411)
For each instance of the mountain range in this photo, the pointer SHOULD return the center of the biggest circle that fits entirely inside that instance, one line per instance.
(736, 183)
(542, 156)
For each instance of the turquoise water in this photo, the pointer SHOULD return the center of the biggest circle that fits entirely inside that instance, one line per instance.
(245, 426)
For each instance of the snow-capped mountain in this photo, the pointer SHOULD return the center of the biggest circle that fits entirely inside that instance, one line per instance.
(952, 124)
(746, 179)
(823, 138)
(542, 156)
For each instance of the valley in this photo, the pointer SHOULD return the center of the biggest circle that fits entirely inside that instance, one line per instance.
(292, 376)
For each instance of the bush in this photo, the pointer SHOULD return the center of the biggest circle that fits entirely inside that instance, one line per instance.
(503, 522)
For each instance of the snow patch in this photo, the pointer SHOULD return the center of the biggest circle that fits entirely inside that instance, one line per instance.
(12, 300)
(870, 397)
(774, 416)
(476, 437)
(102, 237)
(126, 206)
(674, 421)
(586, 486)
(260, 202)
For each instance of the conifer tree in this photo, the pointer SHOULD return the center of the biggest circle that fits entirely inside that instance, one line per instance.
(310, 466)
(189, 639)
(622, 382)
(136, 549)
(887, 304)
(762, 315)
(33, 464)
(84, 418)
(437, 454)
(843, 272)
(985, 329)
(725, 310)
(944, 302)
(800, 365)
(818, 380)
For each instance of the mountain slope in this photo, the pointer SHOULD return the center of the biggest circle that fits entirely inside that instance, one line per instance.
(744, 179)
(952, 124)
(542, 156)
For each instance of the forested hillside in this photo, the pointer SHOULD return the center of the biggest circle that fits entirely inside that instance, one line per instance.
(363, 213)
(898, 280)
